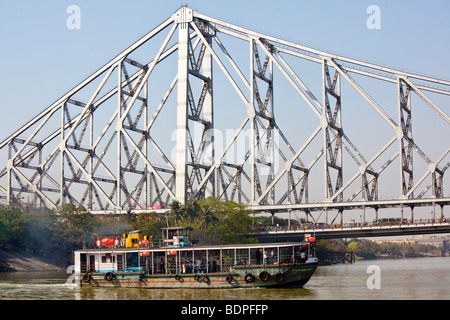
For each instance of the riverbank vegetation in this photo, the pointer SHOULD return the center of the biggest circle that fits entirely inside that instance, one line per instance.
(368, 249)
(71, 227)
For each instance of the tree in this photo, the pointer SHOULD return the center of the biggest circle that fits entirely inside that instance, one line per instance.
(364, 248)
(354, 246)
(40, 228)
(74, 226)
(176, 211)
(191, 211)
(234, 223)
(150, 223)
(12, 226)
(207, 215)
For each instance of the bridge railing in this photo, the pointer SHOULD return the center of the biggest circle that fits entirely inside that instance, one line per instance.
(353, 225)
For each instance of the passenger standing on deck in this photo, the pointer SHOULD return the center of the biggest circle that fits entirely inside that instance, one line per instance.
(258, 256)
(302, 257)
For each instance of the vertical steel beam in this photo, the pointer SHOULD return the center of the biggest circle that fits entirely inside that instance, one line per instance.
(251, 117)
(208, 116)
(61, 154)
(405, 138)
(119, 125)
(184, 17)
(332, 128)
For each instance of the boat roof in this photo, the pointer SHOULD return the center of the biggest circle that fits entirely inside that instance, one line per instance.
(201, 247)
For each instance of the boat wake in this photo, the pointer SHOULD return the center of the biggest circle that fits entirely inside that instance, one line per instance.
(37, 285)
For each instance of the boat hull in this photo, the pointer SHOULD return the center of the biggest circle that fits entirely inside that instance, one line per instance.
(286, 275)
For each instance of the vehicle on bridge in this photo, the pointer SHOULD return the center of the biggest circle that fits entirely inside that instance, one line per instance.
(389, 221)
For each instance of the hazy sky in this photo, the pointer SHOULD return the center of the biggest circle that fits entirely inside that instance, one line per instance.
(42, 58)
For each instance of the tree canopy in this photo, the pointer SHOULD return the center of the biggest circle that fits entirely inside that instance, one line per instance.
(72, 227)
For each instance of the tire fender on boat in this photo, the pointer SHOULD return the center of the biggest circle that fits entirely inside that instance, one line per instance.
(279, 277)
(206, 279)
(109, 276)
(229, 278)
(264, 276)
(86, 277)
(249, 278)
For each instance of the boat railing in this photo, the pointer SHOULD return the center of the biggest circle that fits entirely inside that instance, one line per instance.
(225, 260)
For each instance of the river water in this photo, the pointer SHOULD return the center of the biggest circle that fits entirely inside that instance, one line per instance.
(412, 279)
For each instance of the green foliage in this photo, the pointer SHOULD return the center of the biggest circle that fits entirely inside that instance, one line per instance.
(234, 226)
(364, 248)
(75, 226)
(213, 220)
(150, 223)
(39, 228)
(331, 245)
(71, 227)
(12, 226)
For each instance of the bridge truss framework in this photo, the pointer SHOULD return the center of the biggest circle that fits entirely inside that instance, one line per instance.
(96, 146)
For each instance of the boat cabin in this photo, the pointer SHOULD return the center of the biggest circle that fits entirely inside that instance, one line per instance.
(194, 259)
(176, 236)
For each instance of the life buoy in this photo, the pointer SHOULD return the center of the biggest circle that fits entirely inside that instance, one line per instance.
(86, 278)
(249, 278)
(279, 277)
(229, 278)
(206, 279)
(264, 276)
(109, 276)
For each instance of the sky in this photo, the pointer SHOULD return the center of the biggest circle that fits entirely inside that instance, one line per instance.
(42, 58)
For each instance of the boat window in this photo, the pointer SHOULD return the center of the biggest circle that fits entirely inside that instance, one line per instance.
(242, 256)
(83, 262)
(200, 261)
(286, 255)
(108, 258)
(132, 260)
(213, 260)
(227, 260)
(186, 261)
(159, 262)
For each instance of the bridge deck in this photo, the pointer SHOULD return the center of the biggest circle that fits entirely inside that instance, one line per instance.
(353, 232)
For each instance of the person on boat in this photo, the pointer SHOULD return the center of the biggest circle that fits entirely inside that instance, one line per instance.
(161, 266)
(258, 256)
(302, 257)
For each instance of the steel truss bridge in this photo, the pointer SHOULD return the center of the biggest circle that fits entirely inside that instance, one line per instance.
(201, 107)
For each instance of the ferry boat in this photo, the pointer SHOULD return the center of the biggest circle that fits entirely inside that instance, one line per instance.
(135, 261)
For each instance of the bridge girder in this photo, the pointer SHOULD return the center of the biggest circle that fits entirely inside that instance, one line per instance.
(104, 145)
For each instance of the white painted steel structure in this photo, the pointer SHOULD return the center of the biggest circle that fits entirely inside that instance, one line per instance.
(96, 145)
